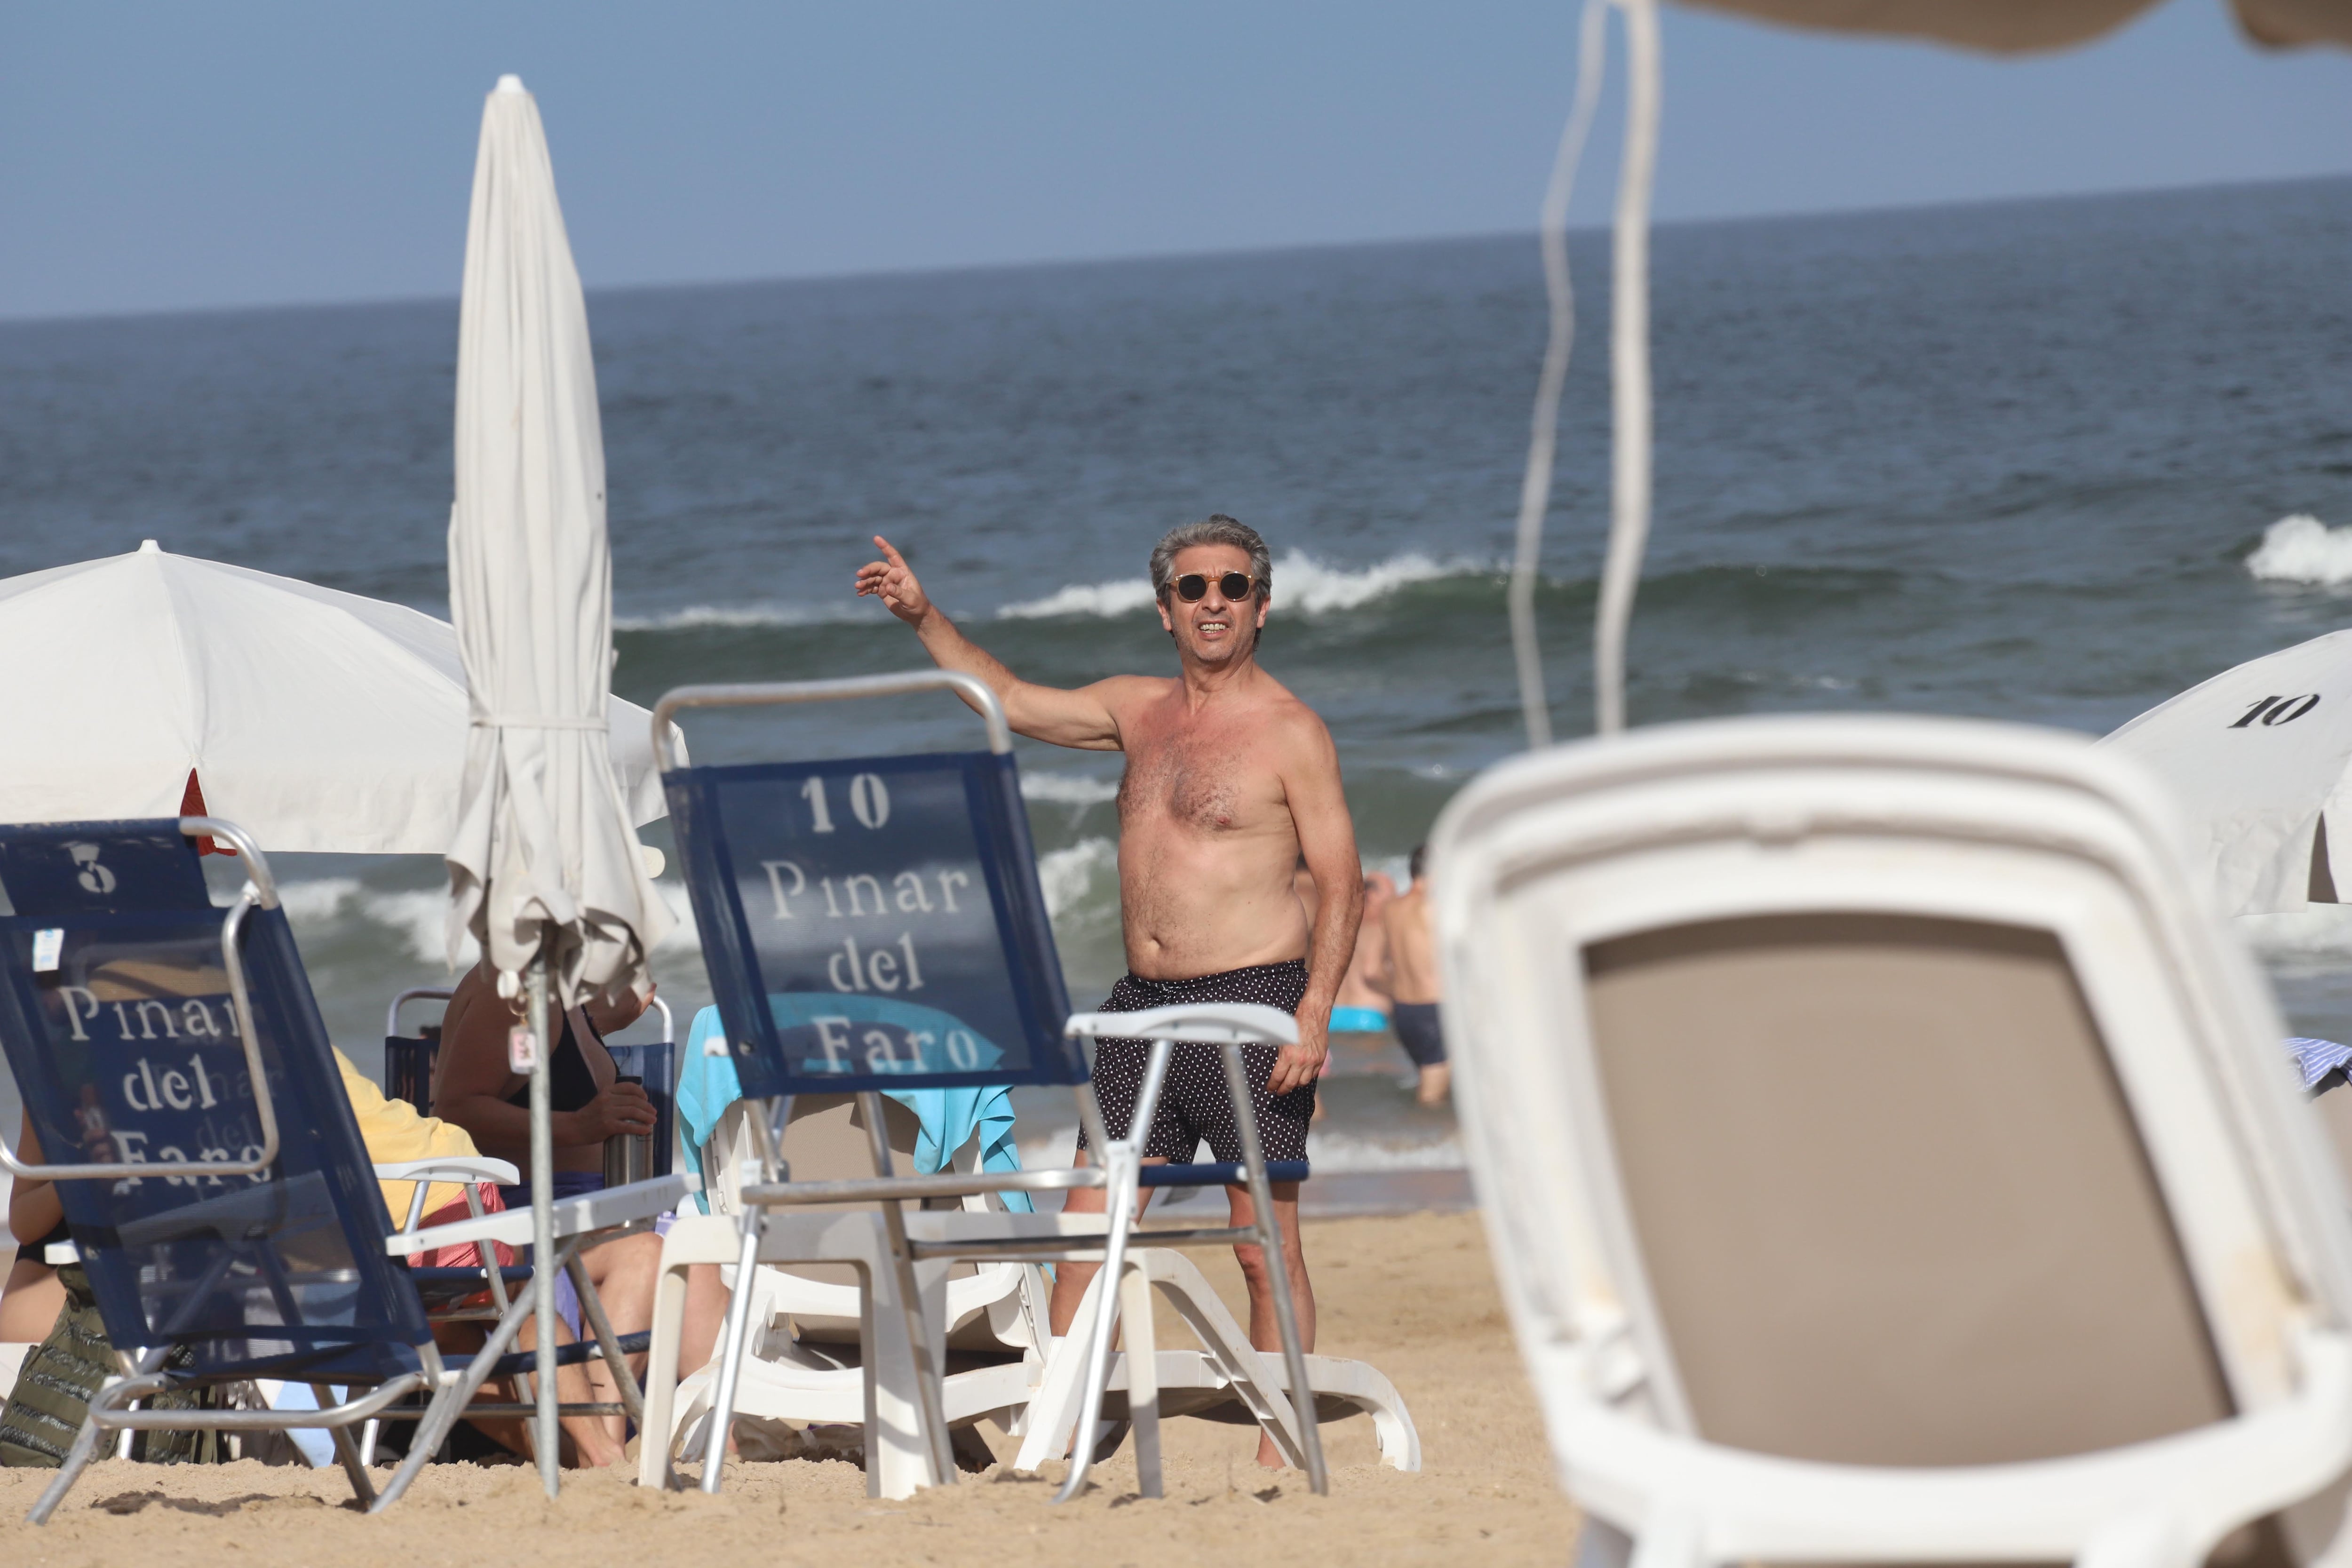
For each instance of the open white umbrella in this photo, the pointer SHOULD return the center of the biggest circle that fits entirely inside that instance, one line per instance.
(2257, 757)
(316, 720)
(545, 865)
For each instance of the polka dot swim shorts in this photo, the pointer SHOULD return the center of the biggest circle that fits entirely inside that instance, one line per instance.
(1194, 1103)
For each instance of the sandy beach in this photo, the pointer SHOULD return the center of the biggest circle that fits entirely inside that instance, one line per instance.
(1411, 1294)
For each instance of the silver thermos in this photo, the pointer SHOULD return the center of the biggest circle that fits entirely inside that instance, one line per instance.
(628, 1158)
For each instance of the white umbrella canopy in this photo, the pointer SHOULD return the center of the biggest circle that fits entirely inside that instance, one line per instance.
(544, 862)
(319, 721)
(2257, 757)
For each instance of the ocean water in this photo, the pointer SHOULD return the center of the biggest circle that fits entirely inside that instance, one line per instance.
(2048, 461)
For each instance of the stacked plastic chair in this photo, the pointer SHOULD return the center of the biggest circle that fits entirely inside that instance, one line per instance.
(1888, 1154)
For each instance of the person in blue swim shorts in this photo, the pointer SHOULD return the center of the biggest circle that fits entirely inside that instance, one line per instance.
(1412, 981)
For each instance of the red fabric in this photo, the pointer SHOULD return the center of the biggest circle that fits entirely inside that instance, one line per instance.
(192, 804)
(466, 1254)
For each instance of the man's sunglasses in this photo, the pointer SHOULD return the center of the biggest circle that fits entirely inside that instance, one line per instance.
(1193, 586)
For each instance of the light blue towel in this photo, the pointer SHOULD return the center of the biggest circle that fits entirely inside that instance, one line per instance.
(707, 1085)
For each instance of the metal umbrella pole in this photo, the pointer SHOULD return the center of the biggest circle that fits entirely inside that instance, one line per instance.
(544, 1269)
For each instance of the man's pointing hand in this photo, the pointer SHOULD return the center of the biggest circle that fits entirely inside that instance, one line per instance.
(892, 580)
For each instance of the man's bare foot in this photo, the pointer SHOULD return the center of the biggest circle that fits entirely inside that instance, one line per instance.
(1436, 1084)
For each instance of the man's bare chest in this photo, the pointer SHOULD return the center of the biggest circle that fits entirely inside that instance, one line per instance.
(1185, 781)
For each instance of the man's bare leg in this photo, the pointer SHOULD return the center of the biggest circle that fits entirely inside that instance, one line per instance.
(1264, 1327)
(1437, 1082)
(1070, 1279)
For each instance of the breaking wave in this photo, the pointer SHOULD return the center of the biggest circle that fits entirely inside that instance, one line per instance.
(1301, 583)
(2302, 548)
(696, 618)
(1067, 789)
(418, 917)
(1072, 879)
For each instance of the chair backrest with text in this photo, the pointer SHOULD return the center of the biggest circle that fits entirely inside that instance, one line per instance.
(873, 924)
(121, 1016)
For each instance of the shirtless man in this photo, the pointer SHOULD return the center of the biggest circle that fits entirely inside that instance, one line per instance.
(1413, 981)
(1230, 782)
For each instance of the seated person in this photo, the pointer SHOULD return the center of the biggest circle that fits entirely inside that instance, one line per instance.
(474, 1091)
(30, 1297)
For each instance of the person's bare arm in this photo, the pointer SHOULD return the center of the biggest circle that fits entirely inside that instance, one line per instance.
(33, 1207)
(1327, 838)
(1085, 718)
(471, 1080)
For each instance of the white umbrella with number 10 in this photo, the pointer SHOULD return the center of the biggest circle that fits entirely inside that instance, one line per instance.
(544, 869)
(2257, 757)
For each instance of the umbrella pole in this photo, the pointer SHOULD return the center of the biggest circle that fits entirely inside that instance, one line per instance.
(542, 1226)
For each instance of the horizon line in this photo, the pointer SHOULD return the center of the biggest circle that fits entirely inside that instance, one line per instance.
(1140, 257)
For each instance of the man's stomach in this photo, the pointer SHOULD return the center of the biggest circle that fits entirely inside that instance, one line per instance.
(1210, 938)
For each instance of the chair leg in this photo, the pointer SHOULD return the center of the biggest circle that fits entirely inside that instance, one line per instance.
(141, 1381)
(1120, 1203)
(738, 1339)
(1277, 1271)
(346, 1450)
(85, 1449)
(450, 1400)
(1142, 1378)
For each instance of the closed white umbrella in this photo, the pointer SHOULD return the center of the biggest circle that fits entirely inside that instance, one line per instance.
(2257, 757)
(544, 866)
(316, 720)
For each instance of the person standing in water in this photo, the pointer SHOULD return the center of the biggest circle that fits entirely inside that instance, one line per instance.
(1414, 984)
(1230, 782)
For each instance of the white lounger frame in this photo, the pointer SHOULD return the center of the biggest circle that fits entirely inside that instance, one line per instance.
(1549, 853)
(1067, 1381)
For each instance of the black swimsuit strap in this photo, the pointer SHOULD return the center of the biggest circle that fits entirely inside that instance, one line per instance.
(571, 1085)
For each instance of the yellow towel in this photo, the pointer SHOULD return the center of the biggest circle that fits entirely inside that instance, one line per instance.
(394, 1131)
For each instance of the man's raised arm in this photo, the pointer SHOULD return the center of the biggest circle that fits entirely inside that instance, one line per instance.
(1082, 719)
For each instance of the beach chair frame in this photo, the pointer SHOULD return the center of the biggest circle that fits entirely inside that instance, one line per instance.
(1548, 854)
(1119, 1168)
(449, 1390)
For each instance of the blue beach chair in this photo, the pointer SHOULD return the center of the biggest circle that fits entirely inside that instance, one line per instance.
(875, 924)
(221, 1199)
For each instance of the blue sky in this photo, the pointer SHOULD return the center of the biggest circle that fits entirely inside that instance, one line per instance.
(158, 156)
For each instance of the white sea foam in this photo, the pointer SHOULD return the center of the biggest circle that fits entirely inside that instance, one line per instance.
(2322, 933)
(1300, 583)
(2302, 548)
(319, 899)
(1120, 598)
(695, 616)
(418, 917)
(1334, 1153)
(421, 917)
(1067, 789)
(1073, 877)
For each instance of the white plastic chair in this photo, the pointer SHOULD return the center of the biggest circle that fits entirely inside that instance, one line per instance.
(1886, 1154)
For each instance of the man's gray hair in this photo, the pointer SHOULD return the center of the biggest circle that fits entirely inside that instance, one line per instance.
(1217, 530)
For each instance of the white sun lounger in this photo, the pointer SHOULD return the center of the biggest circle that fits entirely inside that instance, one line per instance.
(1886, 1154)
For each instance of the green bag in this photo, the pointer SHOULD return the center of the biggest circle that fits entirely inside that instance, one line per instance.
(60, 1376)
